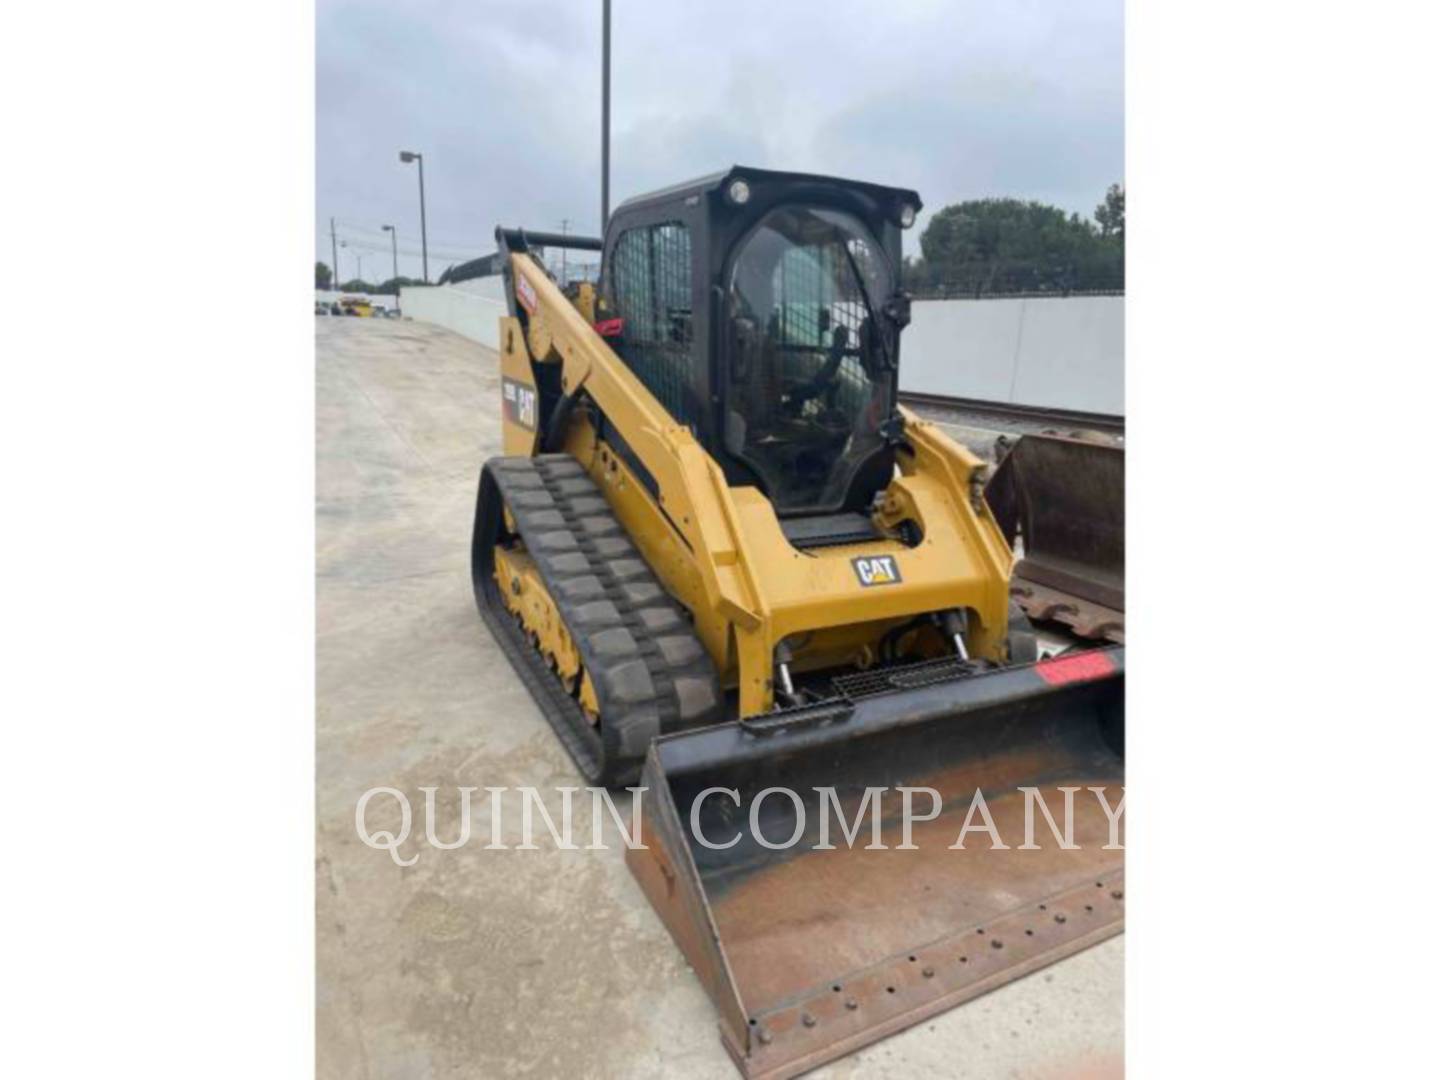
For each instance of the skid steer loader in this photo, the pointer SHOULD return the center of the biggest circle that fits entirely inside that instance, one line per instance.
(725, 562)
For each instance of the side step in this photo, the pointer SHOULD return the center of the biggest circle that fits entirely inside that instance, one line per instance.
(651, 673)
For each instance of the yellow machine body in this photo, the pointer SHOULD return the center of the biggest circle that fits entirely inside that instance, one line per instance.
(721, 551)
(684, 619)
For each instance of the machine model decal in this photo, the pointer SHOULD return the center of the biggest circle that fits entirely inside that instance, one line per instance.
(876, 570)
(519, 403)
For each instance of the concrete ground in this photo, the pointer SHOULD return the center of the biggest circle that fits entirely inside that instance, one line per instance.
(479, 963)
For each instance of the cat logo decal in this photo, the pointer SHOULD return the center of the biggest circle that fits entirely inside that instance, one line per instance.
(876, 570)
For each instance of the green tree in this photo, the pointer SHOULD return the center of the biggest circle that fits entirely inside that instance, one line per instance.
(392, 286)
(322, 276)
(1012, 245)
(1111, 214)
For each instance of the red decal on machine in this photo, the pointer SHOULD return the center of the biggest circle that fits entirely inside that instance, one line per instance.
(526, 293)
(1093, 664)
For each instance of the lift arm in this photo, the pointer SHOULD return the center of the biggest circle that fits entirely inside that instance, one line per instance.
(692, 489)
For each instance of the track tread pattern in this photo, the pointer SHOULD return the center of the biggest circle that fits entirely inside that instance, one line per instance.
(650, 672)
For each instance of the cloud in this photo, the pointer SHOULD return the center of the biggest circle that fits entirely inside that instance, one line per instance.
(955, 99)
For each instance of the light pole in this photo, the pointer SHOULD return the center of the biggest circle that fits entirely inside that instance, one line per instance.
(394, 254)
(605, 123)
(564, 231)
(359, 274)
(406, 157)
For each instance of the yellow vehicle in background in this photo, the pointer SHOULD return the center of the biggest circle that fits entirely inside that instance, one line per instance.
(356, 305)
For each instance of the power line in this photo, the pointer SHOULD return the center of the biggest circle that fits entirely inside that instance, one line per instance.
(347, 230)
(353, 224)
(370, 239)
(404, 249)
(365, 245)
(451, 242)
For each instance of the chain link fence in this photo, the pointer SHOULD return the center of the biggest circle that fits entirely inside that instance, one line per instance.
(1011, 280)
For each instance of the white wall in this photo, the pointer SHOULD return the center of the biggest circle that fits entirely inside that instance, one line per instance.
(471, 309)
(1064, 353)
(1057, 353)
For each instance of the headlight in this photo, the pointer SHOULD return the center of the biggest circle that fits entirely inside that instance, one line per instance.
(907, 216)
(739, 192)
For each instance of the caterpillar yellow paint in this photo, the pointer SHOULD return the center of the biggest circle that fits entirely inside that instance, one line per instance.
(722, 557)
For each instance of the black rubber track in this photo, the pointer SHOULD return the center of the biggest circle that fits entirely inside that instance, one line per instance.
(650, 672)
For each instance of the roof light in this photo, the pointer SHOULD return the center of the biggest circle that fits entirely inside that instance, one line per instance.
(907, 215)
(739, 192)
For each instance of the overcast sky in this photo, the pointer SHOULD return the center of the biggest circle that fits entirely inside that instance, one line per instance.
(958, 99)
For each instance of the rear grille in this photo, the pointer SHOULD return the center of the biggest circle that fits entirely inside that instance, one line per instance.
(862, 684)
(829, 530)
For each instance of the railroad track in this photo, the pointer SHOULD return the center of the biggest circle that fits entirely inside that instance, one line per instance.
(1006, 417)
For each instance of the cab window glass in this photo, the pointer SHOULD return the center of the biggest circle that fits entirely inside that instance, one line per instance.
(810, 376)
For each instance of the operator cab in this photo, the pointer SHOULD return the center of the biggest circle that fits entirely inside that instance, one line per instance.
(763, 310)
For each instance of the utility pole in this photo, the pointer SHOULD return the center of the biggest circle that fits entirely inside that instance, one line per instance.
(424, 241)
(564, 231)
(334, 257)
(394, 262)
(605, 124)
(359, 276)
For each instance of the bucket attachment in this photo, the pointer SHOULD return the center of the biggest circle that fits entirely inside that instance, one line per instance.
(811, 954)
(1064, 496)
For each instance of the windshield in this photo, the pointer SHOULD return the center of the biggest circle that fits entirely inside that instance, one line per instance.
(810, 374)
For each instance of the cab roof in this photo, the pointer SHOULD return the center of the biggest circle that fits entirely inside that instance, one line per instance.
(715, 181)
